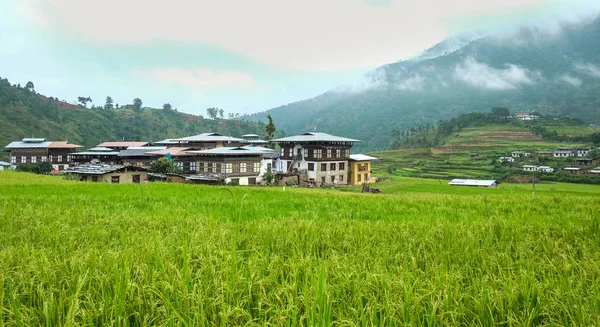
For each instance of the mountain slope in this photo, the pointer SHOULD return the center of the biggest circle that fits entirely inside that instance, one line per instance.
(552, 72)
(26, 114)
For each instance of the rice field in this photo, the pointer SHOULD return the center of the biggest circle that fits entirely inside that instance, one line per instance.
(421, 254)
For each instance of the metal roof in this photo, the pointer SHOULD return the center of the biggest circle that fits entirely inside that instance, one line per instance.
(315, 137)
(63, 145)
(172, 151)
(94, 169)
(100, 149)
(250, 135)
(94, 153)
(473, 182)
(361, 157)
(572, 168)
(207, 137)
(266, 152)
(4, 163)
(227, 151)
(122, 144)
(33, 140)
(27, 145)
(205, 177)
(140, 151)
(595, 170)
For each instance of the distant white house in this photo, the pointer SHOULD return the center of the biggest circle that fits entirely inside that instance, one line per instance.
(525, 116)
(564, 153)
(544, 169)
(583, 152)
(572, 170)
(474, 182)
(595, 170)
(506, 159)
(519, 154)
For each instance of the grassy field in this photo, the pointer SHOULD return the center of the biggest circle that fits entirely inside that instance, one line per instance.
(421, 254)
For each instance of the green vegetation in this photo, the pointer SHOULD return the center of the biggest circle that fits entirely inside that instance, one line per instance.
(23, 113)
(75, 253)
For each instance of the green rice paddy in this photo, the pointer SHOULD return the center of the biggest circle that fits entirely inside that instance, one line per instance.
(421, 254)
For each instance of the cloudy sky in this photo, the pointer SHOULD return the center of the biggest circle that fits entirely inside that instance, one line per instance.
(242, 56)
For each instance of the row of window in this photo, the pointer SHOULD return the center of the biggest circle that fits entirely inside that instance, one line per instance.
(226, 168)
(332, 179)
(34, 159)
(333, 166)
(316, 153)
(359, 177)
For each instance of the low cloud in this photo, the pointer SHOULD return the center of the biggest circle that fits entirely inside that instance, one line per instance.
(376, 79)
(481, 75)
(413, 83)
(571, 80)
(200, 78)
(589, 69)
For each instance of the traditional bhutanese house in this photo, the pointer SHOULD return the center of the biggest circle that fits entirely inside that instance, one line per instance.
(519, 154)
(585, 161)
(529, 168)
(33, 151)
(595, 170)
(321, 157)
(184, 160)
(98, 154)
(545, 169)
(169, 178)
(572, 170)
(4, 165)
(506, 159)
(474, 182)
(141, 156)
(118, 146)
(269, 158)
(235, 165)
(117, 174)
(359, 170)
(583, 152)
(206, 141)
(254, 139)
(563, 153)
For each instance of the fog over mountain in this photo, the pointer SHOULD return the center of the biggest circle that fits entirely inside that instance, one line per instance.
(551, 67)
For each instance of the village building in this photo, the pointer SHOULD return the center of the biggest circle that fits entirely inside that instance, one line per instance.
(506, 159)
(5, 165)
(32, 151)
(519, 154)
(525, 116)
(254, 139)
(320, 158)
(474, 183)
(98, 154)
(572, 170)
(583, 152)
(586, 161)
(117, 174)
(545, 153)
(595, 170)
(121, 145)
(543, 169)
(140, 156)
(564, 153)
(359, 170)
(205, 141)
(236, 165)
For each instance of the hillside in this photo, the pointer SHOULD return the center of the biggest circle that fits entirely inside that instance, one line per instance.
(553, 73)
(26, 114)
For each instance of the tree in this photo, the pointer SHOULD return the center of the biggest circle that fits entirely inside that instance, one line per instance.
(167, 106)
(84, 101)
(500, 112)
(164, 166)
(212, 112)
(108, 104)
(268, 177)
(45, 167)
(137, 104)
(30, 87)
(270, 129)
(221, 113)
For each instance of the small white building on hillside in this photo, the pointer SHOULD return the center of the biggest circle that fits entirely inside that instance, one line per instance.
(474, 182)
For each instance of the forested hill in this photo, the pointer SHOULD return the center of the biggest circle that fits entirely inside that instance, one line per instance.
(553, 72)
(23, 113)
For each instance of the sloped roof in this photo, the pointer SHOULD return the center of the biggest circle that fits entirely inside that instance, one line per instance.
(96, 169)
(174, 151)
(95, 153)
(100, 149)
(361, 157)
(473, 182)
(4, 163)
(314, 137)
(266, 152)
(64, 145)
(207, 137)
(28, 145)
(140, 151)
(229, 151)
(122, 144)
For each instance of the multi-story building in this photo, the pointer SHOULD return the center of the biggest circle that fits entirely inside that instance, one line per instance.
(203, 141)
(322, 157)
(360, 169)
(238, 165)
(32, 151)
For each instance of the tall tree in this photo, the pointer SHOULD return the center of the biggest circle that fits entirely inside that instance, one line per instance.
(221, 111)
(137, 104)
(108, 105)
(212, 112)
(167, 106)
(84, 101)
(270, 129)
(30, 87)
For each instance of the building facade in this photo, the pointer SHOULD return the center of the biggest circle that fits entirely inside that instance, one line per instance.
(33, 151)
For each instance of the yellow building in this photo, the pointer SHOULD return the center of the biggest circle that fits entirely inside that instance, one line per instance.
(360, 169)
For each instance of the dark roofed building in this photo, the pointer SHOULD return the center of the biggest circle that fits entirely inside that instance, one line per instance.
(239, 165)
(118, 174)
(33, 151)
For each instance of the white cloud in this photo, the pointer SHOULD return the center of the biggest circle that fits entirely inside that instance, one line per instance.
(571, 80)
(413, 83)
(376, 79)
(481, 75)
(199, 78)
(309, 35)
(589, 69)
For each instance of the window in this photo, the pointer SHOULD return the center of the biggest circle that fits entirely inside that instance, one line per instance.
(192, 165)
(342, 166)
(346, 152)
(359, 177)
(341, 178)
(23, 159)
(94, 178)
(323, 180)
(113, 179)
(367, 166)
(311, 166)
(13, 159)
(33, 159)
(200, 166)
(332, 166)
(291, 152)
(328, 153)
(219, 168)
(333, 179)
(228, 168)
(59, 158)
(136, 179)
(319, 153)
(323, 167)
(338, 153)
(51, 158)
(242, 167)
(179, 164)
(283, 152)
(305, 153)
(44, 158)
(269, 166)
(256, 167)
(83, 178)
(211, 167)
